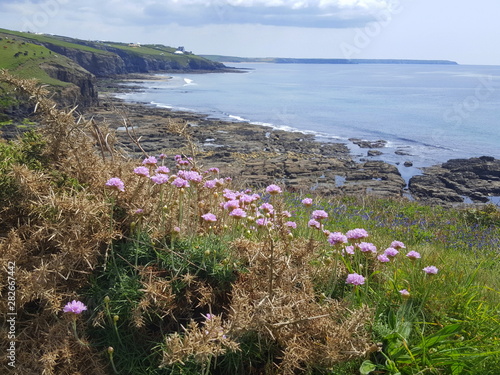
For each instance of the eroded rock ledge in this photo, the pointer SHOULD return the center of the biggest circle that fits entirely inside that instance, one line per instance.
(459, 180)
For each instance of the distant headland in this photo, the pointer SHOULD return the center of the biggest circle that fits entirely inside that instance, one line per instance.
(281, 60)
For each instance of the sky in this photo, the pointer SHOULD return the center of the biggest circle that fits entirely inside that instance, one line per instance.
(464, 31)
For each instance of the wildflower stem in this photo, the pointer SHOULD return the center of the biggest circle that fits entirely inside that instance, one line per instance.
(76, 333)
(271, 266)
(111, 360)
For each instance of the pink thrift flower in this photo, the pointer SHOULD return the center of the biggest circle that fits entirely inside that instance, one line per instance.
(398, 245)
(182, 162)
(139, 211)
(291, 224)
(159, 178)
(214, 170)
(404, 293)
(162, 169)
(246, 199)
(231, 205)
(286, 214)
(319, 215)
(383, 258)
(116, 184)
(177, 229)
(162, 156)
(336, 238)
(314, 224)
(273, 189)
(230, 195)
(356, 234)
(180, 183)
(141, 171)
(391, 252)
(209, 217)
(367, 247)
(350, 250)
(190, 175)
(151, 161)
(430, 270)
(210, 184)
(267, 207)
(75, 307)
(238, 213)
(413, 255)
(355, 279)
(307, 202)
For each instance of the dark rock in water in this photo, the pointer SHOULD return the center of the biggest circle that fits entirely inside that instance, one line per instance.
(368, 144)
(458, 179)
(402, 152)
(374, 153)
(408, 163)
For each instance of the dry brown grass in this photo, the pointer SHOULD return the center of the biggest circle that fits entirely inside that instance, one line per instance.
(308, 332)
(56, 237)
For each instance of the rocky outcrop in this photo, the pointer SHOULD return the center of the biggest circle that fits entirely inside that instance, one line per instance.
(100, 64)
(459, 180)
(363, 143)
(83, 93)
(375, 177)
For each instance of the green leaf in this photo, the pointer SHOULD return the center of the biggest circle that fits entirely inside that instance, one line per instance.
(440, 336)
(367, 367)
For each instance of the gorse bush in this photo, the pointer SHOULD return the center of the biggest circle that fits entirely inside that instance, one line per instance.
(163, 266)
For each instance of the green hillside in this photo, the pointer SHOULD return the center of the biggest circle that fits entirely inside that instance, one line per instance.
(44, 38)
(106, 58)
(24, 59)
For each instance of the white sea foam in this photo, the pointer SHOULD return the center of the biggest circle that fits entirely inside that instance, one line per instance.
(166, 106)
(161, 105)
(238, 118)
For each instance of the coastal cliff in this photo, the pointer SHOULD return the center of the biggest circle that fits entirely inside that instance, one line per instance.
(58, 61)
(106, 61)
(82, 92)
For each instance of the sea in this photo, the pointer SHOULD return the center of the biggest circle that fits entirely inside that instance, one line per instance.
(427, 113)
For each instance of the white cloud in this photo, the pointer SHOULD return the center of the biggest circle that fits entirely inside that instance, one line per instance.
(299, 13)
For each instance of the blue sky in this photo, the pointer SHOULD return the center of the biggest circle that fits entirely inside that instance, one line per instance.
(459, 30)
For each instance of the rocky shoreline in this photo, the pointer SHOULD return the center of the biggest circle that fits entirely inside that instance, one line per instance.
(258, 155)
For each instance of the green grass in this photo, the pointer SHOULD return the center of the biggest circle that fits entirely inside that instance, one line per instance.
(23, 60)
(155, 50)
(43, 38)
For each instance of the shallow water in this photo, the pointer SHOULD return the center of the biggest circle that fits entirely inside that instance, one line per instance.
(433, 113)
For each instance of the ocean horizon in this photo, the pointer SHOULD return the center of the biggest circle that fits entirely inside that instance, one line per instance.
(427, 114)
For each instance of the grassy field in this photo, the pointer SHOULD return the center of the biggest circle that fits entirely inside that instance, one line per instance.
(163, 266)
(24, 59)
(42, 38)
